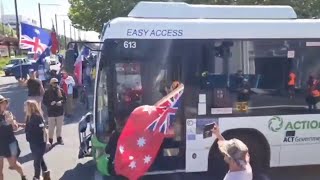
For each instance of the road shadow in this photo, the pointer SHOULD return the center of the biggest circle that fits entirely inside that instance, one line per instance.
(79, 111)
(28, 157)
(80, 172)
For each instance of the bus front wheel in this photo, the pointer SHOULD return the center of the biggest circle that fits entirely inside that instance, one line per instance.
(257, 150)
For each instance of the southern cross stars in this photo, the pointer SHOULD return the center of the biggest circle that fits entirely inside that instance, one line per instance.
(132, 165)
(147, 159)
(141, 142)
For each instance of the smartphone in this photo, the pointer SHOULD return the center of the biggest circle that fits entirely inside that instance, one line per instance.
(207, 130)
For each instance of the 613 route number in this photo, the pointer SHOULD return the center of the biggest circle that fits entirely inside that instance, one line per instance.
(129, 44)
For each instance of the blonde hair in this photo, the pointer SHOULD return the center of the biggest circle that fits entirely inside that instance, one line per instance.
(32, 108)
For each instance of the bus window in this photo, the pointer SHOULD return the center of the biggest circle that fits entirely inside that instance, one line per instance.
(102, 113)
(129, 88)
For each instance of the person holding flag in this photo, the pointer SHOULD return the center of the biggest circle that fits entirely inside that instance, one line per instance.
(39, 41)
(78, 65)
(143, 134)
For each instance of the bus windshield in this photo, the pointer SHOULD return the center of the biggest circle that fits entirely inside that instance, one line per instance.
(271, 76)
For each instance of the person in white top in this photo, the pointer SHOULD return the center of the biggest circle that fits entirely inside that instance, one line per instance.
(236, 155)
(67, 84)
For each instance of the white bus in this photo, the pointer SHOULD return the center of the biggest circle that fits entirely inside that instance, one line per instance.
(214, 50)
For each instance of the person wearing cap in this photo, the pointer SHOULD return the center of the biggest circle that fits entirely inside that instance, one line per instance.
(68, 85)
(35, 87)
(236, 155)
(9, 147)
(54, 99)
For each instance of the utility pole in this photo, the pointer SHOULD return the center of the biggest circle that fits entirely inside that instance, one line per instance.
(65, 36)
(17, 25)
(56, 18)
(39, 6)
(17, 19)
(74, 33)
(70, 32)
(2, 18)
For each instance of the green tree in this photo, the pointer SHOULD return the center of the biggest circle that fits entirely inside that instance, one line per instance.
(91, 15)
(7, 31)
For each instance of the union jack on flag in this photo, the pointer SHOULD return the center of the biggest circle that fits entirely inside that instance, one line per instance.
(167, 110)
(34, 38)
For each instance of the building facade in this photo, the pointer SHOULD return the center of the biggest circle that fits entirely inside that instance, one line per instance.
(11, 20)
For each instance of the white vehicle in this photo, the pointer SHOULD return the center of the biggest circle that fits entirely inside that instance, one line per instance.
(206, 47)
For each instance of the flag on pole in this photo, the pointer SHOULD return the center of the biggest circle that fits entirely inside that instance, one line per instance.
(143, 134)
(55, 42)
(78, 64)
(34, 39)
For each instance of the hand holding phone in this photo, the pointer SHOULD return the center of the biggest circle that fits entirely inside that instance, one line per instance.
(208, 129)
(216, 130)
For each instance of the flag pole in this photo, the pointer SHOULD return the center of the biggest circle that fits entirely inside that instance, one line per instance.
(17, 24)
(56, 19)
(2, 17)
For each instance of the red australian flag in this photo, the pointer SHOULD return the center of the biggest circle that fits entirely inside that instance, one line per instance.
(143, 134)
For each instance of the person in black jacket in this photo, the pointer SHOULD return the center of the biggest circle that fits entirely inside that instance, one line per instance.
(36, 136)
(9, 147)
(54, 99)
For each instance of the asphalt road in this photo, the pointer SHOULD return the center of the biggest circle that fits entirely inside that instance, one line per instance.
(63, 161)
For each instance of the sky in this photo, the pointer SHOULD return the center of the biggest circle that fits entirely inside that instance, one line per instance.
(29, 8)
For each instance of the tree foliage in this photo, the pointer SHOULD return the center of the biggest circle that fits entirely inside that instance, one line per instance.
(92, 14)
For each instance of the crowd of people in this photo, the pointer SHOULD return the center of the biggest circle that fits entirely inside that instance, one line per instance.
(50, 94)
(58, 101)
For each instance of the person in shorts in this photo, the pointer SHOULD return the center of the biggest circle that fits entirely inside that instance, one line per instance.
(9, 147)
(236, 155)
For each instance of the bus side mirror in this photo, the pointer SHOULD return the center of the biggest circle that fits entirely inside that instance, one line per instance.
(82, 126)
(84, 121)
(89, 117)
